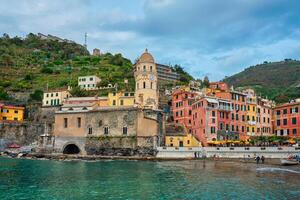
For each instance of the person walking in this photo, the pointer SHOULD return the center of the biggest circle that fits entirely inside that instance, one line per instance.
(257, 159)
(262, 159)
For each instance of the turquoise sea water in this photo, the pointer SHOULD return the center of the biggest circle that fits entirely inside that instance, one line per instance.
(45, 179)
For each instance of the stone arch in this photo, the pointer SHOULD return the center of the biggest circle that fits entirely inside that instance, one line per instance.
(71, 148)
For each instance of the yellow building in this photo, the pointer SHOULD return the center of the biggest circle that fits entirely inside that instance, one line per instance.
(187, 140)
(12, 113)
(251, 101)
(121, 98)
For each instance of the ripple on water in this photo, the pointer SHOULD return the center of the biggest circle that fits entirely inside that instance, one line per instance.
(191, 180)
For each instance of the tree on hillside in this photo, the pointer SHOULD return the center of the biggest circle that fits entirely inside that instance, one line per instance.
(6, 60)
(206, 82)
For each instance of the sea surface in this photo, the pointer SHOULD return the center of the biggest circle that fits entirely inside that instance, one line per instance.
(59, 180)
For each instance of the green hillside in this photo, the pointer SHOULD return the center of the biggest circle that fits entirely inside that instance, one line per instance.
(279, 81)
(31, 64)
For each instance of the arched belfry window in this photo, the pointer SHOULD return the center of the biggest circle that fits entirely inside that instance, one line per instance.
(151, 85)
(144, 84)
(151, 68)
(144, 67)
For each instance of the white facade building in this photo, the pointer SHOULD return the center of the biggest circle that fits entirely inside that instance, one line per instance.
(55, 97)
(88, 82)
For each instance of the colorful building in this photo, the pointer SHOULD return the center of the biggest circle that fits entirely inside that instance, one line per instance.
(55, 97)
(12, 113)
(251, 112)
(204, 116)
(264, 125)
(182, 107)
(287, 119)
(237, 113)
(184, 140)
(121, 98)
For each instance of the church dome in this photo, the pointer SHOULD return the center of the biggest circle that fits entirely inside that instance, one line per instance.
(146, 57)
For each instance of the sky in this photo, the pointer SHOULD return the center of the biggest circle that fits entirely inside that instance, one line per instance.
(214, 38)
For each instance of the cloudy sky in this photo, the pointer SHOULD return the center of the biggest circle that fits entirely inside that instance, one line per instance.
(207, 37)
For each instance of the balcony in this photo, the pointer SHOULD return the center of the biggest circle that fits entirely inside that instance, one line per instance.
(252, 123)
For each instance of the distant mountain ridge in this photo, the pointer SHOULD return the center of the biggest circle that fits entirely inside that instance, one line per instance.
(279, 81)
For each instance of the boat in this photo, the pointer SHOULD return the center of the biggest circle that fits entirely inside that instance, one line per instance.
(291, 160)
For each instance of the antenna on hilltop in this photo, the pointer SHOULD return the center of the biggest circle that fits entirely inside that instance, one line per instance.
(85, 40)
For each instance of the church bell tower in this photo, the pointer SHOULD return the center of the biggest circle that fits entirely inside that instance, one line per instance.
(146, 89)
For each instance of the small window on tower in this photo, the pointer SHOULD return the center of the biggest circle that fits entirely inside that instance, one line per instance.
(144, 85)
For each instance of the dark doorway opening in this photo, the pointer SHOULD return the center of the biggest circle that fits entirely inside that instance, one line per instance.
(71, 149)
(180, 143)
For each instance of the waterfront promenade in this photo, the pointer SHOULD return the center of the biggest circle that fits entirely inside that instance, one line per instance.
(226, 152)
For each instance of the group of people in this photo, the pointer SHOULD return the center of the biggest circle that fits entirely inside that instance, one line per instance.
(262, 158)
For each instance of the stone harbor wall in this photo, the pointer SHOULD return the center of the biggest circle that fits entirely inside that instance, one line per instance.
(23, 133)
(116, 146)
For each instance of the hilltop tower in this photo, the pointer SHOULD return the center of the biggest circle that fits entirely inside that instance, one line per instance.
(145, 73)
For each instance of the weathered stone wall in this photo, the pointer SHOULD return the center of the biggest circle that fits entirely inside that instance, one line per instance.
(21, 133)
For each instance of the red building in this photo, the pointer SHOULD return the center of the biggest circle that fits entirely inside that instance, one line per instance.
(287, 120)
(182, 107)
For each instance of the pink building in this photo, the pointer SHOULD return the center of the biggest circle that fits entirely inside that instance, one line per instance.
(264, 117)
(287, 120)
(182, 107)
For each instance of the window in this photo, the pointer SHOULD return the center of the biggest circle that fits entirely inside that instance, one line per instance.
(252, 129)
(213, 113)
(243, 118)
(57, 94)
(188, 141)
(278, 112)
(91, 79)
(78, 122)
(227, 127)
(16, 111)
(47, 102)
(121, 102)
(90, 132)
(66, 122)
(294, 131)
(294, 120)
(114, 102)
(253, 118)
(243, 129)
(237, 117)
(144, 85)
(100, 123)
(248, 118)
(278, 122)
(284, 121)
(51, 94)
(151, 85)
(212, 130)
(124, 130)
(253, 108)
(232, 127)
(213, 120)
(190, 112)
(237, 128)
(144, 68)
(106, 130)
(151, 68)
(47, 95)
(285, 111)
(232, 116)
(248, 129)
(4, 118)
(15, 118)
